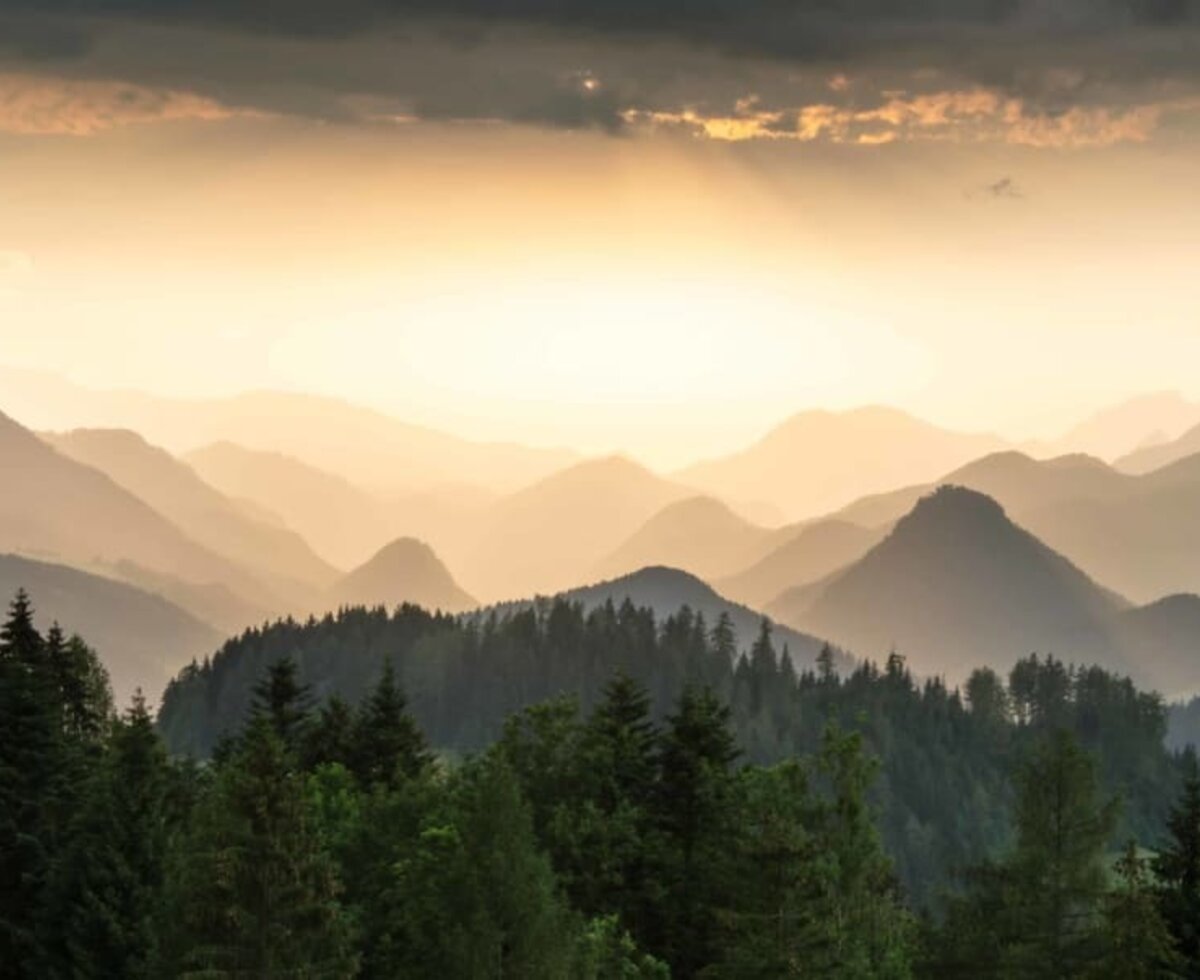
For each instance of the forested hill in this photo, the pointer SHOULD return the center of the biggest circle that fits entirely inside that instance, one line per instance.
(945, 757)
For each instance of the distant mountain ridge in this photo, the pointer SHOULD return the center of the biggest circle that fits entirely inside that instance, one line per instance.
(551, 535)
(957, 584)
(406, 570)
(173, 489)
(1139, 535)
(344, 523)
(141, 638)
(701, 535)
(667, 590)
(56, 509)
(817, 461)
(807, 553)
(1149, 458)
(363, 445)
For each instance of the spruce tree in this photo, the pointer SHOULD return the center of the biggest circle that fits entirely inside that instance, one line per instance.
(695, 816)
(473, 897)
(1177, 868)
(387, 744)
(108, 889)
(284, 703)
(250, 891)
(31, 762)
(1058, 874)
(1137, 943)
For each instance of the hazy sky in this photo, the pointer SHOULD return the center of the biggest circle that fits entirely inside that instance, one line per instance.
(659, 227)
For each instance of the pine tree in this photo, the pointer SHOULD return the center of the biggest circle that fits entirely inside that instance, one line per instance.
(869, 932)
(1177, 868)
(31, 761)
(109, 887)
(1138, 945)
(775, 927)
(387, 744)
(473, 897)
(81, 685)
(1058, 873)
(284, 702)
(609, 846)
(330, 738)
(250, 892)
(695, 816)
(724, 640)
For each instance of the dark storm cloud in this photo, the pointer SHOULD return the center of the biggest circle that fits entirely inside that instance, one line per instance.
(522, 60)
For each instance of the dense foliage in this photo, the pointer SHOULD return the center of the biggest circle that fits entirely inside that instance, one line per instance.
(326, 837)
(943, 790)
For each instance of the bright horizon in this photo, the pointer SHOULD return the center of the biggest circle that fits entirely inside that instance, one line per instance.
(586, 233)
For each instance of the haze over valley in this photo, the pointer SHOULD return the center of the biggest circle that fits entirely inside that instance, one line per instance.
(230, 535)
(600, 490)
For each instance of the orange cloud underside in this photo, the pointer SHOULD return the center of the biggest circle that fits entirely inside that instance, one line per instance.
(971, 115)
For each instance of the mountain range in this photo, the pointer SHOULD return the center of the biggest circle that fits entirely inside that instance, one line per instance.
(141, 638)
(1072, 555)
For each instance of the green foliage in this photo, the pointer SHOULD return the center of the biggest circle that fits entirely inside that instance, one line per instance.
(1041, 910)
(472, 896)
(55, 706)
(1177, 868)
(674, 809)
(109, 884)
(249, 891)
(1137, 943)
(943, 792)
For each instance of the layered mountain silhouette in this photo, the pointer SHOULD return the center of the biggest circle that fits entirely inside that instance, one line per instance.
(667, 590)
(817, 461)
(806, 554)
(364, 446)
(1139, 535)
(957, 584)
(1153, 457)
(174, 489)
(1166, 636)
(550, 536)
(141, 638)
(406, 570)
(700, 535)
(1141, 422)
(344, 523)
(57, 509)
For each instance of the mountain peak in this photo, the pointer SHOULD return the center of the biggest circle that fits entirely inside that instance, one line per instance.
(404, 570)
(957, 504)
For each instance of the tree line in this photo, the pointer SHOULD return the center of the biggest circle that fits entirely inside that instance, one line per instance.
(943, 791)
(328, 837)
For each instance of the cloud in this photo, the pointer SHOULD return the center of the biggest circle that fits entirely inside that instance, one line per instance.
(973, 115)
(30, 104)
(1041, 73)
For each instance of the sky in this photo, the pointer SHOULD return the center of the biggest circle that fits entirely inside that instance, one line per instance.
(657, 227)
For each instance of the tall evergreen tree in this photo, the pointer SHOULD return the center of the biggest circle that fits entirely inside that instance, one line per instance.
(1137, 943)
(108, 888)
(869, 931)
(250, 891)
(387, 744)
(31, 756)
(695, 816)
(1059, 877)
(284, 703)
(1177, 868)
(473, 897)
